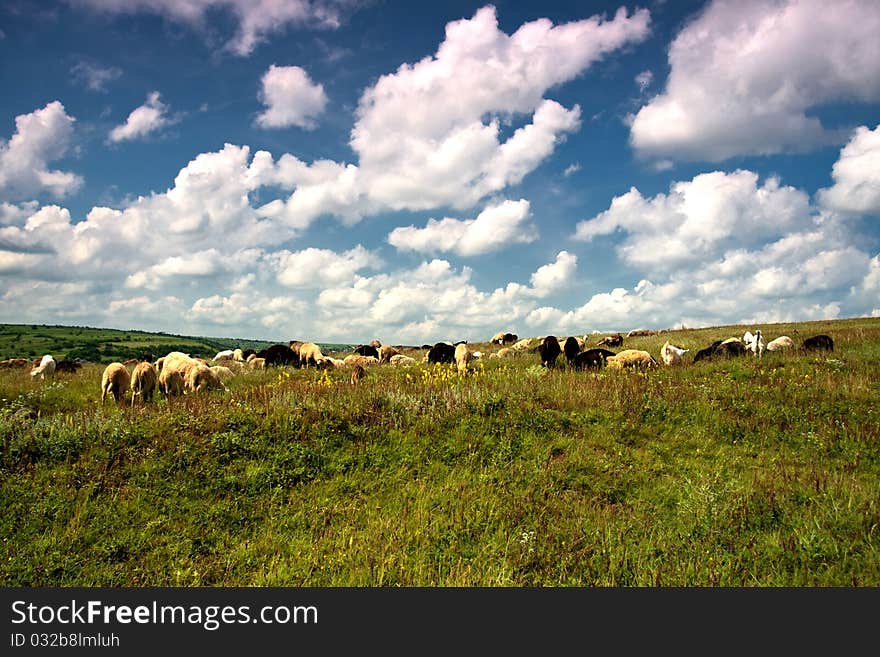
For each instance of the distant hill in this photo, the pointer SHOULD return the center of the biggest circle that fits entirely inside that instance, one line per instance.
(105, 345)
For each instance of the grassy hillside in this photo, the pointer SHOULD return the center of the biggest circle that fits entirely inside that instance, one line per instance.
(106, 345)
(744, 472)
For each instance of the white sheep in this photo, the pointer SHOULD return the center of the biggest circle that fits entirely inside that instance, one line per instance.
(45, 368)
(463, 357)
(631, 358)
(226, 353)
(201, 377)
(401, 359)
(671, 354)
(780, 344)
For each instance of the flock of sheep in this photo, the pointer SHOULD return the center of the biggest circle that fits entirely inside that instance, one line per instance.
(178, 373)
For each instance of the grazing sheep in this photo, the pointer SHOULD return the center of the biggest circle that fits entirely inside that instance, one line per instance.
(357, 373)
(225, 373)
(46, 367)
(401, 359)
(463, 357)
(310, 354)
(115, 380)
(571, 348)
(781, 343)
(442, 352)
(504, 352)
(526, 344)
(386, 352)
(248, 352)
(226, 353)
(640, 332)
(11, 363)
(280, 354)
(67, 366)
(356, 359)
(635, 358)
(375, 343)
(672, 354)
(144, 380)
(549, 350)
(171, 383)
(367, 350)
(595, 358)
(818, 343)
(503, 338)
(758, 346)
(201, 377)
(256, 363)
(615, 340)
(722, 349)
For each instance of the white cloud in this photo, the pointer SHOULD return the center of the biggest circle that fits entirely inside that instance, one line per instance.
(745, 74)
(320, 268)
(856, 175)
(496, 227)
(93, 75)
(699, 219)
(643, 80)
(571, 169)
(148, 118)
(554, 276)
(429, 134)
(40, 137)
(257, 19)
(291, 98)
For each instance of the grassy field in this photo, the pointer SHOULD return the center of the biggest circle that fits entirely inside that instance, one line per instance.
(102, 345)
(747, 472)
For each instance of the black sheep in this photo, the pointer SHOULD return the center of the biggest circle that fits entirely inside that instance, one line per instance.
(591, 359)
(280, 354)
(571, 348)
(818, 343)
(549, 350)
(441, 352)
(367, 350)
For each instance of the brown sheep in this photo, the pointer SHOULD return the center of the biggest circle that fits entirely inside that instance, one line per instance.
(386, 352)
(310, 354)
(143, 382)
(115, 380)
(356, 359)
(357, 373)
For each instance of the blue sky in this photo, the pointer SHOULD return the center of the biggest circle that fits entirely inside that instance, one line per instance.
(343, 171)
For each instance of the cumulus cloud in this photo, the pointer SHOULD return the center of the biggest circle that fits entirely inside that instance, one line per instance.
(722, 248)
(40, 137)
(93, 75)
(744, 76)
(257, 19)
(856, 175)
(320, 268)
(291, 98)
(146, 119)
(496, 227)
(430, 134)
(699, 219)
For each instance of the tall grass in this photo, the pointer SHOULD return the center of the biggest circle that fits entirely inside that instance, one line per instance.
(744, 472)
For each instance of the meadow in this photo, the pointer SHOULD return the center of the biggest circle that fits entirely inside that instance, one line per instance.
(743, 472)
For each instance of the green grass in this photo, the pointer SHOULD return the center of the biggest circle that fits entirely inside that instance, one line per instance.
(738, 473)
